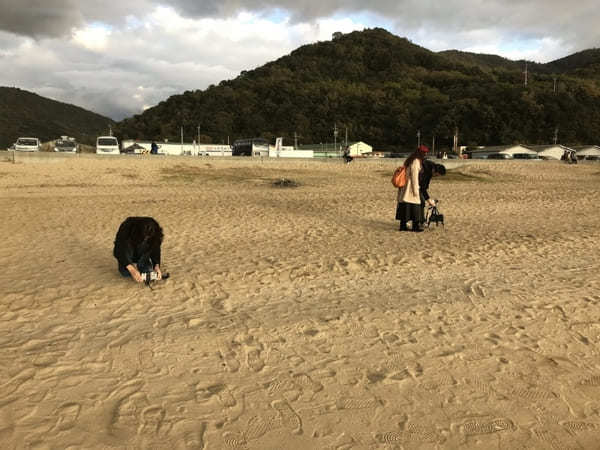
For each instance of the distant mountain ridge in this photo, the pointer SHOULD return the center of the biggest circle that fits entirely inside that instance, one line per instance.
(24, 113)
(383, 89)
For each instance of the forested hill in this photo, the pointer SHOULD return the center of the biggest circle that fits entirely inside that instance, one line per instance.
(382, 89)
(24, 113)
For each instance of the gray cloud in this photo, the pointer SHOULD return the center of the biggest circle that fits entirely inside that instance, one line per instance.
(145, 56)
(573, 23)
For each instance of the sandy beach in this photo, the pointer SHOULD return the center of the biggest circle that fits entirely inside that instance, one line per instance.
(300, 318)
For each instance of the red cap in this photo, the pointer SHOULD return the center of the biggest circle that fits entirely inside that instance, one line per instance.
(423, 149)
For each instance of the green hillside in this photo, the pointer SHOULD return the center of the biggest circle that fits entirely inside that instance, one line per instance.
(24, 113)
(382, 89)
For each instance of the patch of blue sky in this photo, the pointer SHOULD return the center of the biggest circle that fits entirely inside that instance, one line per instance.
(519, 45)
(276, 15)
(100, 26)
(132, 22)
(367, 18)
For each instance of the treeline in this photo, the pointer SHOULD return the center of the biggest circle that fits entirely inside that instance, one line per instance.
(382, 89)
(24, 113)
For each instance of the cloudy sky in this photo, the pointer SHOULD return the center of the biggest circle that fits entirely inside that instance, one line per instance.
(119, 57)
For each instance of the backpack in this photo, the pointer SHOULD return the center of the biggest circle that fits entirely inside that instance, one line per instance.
(399, 177)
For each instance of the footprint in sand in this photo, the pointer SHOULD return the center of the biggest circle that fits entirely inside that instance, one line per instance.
(152, 419)
(188, 435)
(593, 381)
(229, 360)
(234, 440)
(67, 414)
(307, 382)
(146, 359)
(288, 417)
(421, 433)
(475, 427)
(533, 395)
(254, 360)
(259, 426)
(276, 386)
(412, 433)
(580, 427)
(551, 439)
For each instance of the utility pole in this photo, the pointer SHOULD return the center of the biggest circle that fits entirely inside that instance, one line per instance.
(198, 135)
(418, 138)
(182, 140)
(555, 85)
(109, 129)
(433, 145)
(455, 143)
(526, 73)
(555, 135)
(335, 132)
(346, 143)
(295, 140)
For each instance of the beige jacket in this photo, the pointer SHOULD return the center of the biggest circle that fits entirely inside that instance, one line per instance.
(410, 192)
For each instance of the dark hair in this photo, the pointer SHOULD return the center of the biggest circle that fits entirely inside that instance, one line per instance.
(414, 155)
(148, 229)
(441, 169)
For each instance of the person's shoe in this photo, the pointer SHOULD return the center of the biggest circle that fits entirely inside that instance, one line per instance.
(403, 228)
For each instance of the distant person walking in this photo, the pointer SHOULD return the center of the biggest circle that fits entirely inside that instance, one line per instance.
(346, 156)
(154, 148)
(409, 207)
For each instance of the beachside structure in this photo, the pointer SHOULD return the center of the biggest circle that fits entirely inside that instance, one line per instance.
(555, 151)
(591, 152)
(335, 150)
(509, 150)
(178, 148)
(287, 151)
(250, 147)
(359, 148)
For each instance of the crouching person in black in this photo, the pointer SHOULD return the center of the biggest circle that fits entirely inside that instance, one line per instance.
(430, 170)
(137, 247)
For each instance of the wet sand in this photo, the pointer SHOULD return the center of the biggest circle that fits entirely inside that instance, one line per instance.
(300, 317)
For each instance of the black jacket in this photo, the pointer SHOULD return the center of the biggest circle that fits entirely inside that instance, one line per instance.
(425, 178)
(131, 246)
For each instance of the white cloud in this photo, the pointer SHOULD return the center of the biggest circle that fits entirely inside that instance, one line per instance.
(93, 37)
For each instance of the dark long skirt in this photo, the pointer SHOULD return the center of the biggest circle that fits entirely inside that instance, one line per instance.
(407, 212)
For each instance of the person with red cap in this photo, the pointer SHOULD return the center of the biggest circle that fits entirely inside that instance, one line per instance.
(409, 207)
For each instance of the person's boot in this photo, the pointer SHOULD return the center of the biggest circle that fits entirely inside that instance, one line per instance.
(417, 228)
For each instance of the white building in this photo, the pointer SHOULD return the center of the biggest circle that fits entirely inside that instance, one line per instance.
(508, 150)
(359, 148)
(287, 151)
(550, 151)
(587, 152)
(186, 148)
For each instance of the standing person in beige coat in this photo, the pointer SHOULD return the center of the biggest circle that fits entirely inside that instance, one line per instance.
(409, 199)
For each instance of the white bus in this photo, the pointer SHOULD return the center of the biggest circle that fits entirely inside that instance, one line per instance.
(107, 145)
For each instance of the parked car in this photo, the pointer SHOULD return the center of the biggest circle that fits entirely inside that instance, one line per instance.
(499, 156)
(27, 144)
(107, 145)
(65, 145)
